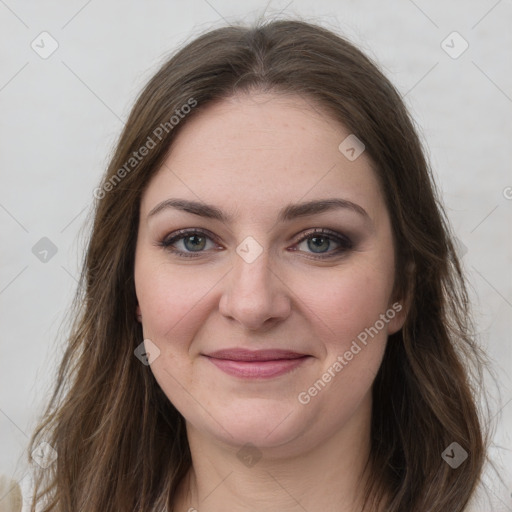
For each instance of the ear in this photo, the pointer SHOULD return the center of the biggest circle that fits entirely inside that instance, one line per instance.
(397, 313)
(400, 306)
(138, 313)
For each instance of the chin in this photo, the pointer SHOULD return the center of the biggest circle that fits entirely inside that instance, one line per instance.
(261, 422)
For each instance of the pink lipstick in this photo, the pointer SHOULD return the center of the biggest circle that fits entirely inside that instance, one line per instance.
(259, 364)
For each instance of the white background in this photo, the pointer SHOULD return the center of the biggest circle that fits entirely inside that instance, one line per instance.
(61, 117)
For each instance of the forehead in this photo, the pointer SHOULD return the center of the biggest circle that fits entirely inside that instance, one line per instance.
(261, 151)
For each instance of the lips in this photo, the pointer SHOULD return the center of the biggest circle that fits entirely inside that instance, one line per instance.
(237, 354)
(259, 364)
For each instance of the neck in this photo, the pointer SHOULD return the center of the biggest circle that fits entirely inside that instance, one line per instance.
(328, 476)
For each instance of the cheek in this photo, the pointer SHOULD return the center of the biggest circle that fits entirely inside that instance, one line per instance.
(353, 334)
(350, 299)
(349, 322)
(170, 297)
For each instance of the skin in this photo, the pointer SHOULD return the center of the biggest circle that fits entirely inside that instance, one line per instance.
(250, 156)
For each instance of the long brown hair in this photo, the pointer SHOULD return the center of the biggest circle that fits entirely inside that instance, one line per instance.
(121, 444)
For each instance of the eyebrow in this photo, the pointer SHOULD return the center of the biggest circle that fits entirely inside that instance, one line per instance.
(289, 212)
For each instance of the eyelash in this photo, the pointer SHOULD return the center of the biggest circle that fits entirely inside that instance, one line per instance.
(345, 243)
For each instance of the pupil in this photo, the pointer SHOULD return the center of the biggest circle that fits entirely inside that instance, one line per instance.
(196, 244)
(319, 246)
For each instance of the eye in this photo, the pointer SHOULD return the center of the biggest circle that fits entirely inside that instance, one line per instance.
(320, 240)
(190, 243)
(191, 240)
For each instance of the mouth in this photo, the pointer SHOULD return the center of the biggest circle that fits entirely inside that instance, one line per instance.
(259, 364)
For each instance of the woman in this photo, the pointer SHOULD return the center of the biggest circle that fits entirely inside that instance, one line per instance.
(273, 315)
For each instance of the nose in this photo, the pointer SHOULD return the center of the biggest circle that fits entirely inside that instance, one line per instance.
(255, 295)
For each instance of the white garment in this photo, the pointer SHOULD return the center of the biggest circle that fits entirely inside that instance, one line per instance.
(10, 495)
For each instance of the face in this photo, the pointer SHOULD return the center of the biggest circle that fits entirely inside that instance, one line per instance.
(264, 274)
